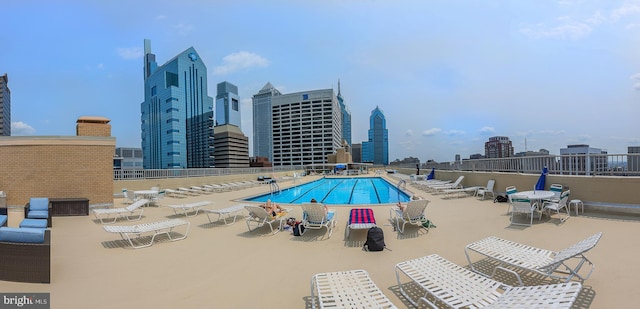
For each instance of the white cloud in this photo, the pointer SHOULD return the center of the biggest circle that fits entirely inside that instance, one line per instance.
(130, 53)
(636, 78)
(456, 132)
(431, 132)
(240, 60)
(487, 129)
(567, 28)
(408, 133)
(183, 29)
(20, 128)
(100, 66)
(160, 17)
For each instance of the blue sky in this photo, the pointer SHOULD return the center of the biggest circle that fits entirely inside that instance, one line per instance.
(447, 74)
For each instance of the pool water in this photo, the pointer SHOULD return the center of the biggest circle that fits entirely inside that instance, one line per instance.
(351, 191)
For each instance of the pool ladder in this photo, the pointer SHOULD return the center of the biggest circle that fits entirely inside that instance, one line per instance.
(275, 188)
(402, 183)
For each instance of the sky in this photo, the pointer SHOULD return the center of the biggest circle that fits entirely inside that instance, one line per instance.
(447, 74)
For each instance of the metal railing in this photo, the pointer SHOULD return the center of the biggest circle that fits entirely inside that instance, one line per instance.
(135, 174)
(574, 164)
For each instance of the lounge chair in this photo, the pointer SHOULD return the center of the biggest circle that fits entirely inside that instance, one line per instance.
(540, 261)
(447, 283)
(225, 213)
(134, 233)
(259, 217)
(360, 218)
(126, 212)
(484, 191)
(187, 191)
(414, 214)
(174, 193)
(439, 187)
(185, 209)
(347, 289)
(461, 191)
(315, 217)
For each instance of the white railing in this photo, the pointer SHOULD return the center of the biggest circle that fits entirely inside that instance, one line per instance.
(575, 164)
(130, 174)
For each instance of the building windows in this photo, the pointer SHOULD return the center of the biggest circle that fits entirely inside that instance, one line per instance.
(171, 142)
(154, 91)
(172, 109)
(171, 79)
(173, 153)
(172, 120)
(234, 104)
(173, 131)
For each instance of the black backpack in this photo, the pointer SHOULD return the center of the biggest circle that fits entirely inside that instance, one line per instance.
(375, 239)
(501, 199)
(298, 229)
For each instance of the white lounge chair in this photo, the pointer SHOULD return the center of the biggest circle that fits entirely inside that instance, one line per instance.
(438, 187)
(540, 261)
(259, 217)
(135, 233)
(174, 193)
(414, 214)
(314, 216)
(185, 209)
(125, 212)
(461, 191)
(347, 289)
(187, 191)
(225, 213)
(458, 287)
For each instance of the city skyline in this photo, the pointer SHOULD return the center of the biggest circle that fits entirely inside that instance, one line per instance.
(448, 75)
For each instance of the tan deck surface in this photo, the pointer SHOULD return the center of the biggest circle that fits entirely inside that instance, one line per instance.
(220, 266)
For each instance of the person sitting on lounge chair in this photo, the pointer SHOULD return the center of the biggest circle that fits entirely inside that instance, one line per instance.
(326, 209)
(272, 208)
(415, 197)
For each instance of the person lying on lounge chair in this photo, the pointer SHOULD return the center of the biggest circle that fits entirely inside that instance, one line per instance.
(272, 208)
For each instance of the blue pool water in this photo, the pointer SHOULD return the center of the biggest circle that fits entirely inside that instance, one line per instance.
(352, 191)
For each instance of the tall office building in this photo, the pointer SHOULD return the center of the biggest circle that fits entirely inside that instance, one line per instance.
(5, 106)
(346, 118)
(307, 127)
(228, 105)
(262, 121)
(376, 149)
(177, 112)
(498, 147)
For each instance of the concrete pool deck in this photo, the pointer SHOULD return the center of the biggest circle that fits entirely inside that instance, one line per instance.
(220, 266)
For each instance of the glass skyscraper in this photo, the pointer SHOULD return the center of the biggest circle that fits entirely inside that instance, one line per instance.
(228, 105)
(376, 149)
(262, 140)
(346, 118)
(177, 112)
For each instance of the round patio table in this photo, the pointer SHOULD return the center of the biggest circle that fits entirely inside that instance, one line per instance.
(537, 195)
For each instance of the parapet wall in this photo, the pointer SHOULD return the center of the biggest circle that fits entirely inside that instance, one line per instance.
(57, 167)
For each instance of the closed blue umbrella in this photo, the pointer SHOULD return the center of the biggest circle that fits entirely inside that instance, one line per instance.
(432, 174)
(541, 180)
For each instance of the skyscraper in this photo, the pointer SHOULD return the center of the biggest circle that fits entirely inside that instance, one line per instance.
(177, 112)
(5, 106)
(307, 127)
(376, 149)
(262, 141)
(346, 118)
(228, 105)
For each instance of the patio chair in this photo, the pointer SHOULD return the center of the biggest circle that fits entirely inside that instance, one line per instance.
(557, 190)
(521, 204)
(360, 218)
(347, 289)
(540, 261)
(126, 212)
(447, 283)
(134, 233)
(314, 216)
(190, 207)
(129, 197)
(484, 191)
(38, 208)
(557, 206)
(259, 217)
(413, 213)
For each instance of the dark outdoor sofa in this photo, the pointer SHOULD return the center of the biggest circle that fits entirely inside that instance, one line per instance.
(26, 259)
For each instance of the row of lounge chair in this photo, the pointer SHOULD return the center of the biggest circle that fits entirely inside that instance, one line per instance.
(446, 283)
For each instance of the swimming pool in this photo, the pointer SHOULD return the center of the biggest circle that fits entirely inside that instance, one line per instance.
(335, 191)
